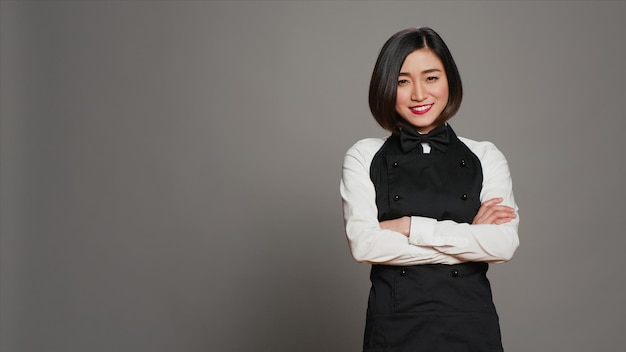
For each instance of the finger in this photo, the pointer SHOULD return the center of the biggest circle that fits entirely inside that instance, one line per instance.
(499, 217)
(493, 201)
(484, 207)
(482, 213)
(502, 208)
(495, 209)
(502, 221)
(493, 214)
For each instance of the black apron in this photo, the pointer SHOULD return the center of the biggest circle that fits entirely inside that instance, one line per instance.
(433, 307)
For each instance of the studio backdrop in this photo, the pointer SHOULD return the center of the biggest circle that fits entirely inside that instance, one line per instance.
(170, 169)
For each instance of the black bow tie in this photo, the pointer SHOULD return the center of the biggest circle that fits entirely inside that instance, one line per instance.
(411, 139)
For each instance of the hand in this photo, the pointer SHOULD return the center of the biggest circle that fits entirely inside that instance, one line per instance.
(401, 225)
(492, 213)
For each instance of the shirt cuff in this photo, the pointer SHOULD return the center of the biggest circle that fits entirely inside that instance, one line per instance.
(422, 231)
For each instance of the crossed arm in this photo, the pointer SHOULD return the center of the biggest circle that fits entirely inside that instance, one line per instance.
(490, 212)
(492, 236)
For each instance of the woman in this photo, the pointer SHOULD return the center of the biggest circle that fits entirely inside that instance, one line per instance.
(429, 210)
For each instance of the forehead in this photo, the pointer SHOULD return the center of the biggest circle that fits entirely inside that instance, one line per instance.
(420, 60)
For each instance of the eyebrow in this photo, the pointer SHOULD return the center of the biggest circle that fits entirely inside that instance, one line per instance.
(430, 70)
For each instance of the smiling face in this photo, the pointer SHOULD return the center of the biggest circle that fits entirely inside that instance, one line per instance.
(422, 90)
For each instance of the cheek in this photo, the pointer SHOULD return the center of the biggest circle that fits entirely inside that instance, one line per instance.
(442, 92)
(401, 97)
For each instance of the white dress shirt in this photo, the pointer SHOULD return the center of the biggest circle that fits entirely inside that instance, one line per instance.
(430, 241)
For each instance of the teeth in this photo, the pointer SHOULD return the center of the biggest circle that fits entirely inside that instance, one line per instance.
(422, 108)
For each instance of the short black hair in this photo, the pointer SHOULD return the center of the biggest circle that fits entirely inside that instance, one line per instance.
(384, 82)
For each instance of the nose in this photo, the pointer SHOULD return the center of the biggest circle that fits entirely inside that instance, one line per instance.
(419, 92)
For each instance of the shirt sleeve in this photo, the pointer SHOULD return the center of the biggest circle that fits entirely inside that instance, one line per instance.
(478, 243)
(368, 242)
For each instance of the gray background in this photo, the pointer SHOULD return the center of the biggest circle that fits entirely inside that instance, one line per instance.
(170, 170)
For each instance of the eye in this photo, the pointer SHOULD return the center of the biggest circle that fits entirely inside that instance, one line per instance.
(432, 79)
(403, 82)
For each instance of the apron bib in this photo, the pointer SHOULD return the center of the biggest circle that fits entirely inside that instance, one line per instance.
(432, 307)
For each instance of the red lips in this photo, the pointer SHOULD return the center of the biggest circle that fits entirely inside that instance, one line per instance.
(421, 109)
